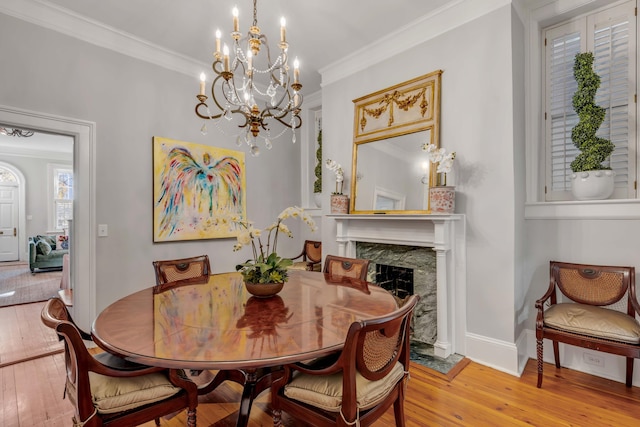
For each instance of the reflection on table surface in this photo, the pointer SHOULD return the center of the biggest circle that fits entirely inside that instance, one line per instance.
(219, 325)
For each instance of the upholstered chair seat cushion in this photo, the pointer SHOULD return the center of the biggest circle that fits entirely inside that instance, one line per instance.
(325, 391)
(593, 321)
(303, 265)
(113, 394)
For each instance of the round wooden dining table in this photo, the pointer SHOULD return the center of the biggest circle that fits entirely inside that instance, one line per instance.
(215, 324)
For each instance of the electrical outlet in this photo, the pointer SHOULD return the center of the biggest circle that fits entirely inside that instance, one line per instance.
(593, 359)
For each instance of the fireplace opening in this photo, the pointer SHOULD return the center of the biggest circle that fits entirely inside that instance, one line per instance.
(397, 280)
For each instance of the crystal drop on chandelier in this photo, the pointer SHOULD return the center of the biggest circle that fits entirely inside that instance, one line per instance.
(268, 144)
(203, 129)
(255, 151)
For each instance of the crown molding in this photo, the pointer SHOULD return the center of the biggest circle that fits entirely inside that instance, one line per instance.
(53, 17)
(446, 18)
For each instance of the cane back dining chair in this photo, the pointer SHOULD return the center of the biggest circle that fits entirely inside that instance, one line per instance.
(104, 396)
(367, 377)
(589, 306)
(173, 270)
(355, 268)
(311, 256)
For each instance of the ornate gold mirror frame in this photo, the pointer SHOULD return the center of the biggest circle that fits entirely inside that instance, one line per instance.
(390, 171)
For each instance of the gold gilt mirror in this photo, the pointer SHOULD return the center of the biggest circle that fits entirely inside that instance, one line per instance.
(390, 171)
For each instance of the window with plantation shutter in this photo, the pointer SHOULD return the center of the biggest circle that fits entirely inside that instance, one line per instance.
(610, 34)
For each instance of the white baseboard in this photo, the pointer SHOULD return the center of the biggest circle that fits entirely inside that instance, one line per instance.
(499, 355)
(572, 357)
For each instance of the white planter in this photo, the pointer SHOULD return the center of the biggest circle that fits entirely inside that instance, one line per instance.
(592, 185)
(317, 199)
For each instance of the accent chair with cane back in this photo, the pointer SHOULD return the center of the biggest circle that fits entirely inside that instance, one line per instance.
(590, 306)
(311, 256)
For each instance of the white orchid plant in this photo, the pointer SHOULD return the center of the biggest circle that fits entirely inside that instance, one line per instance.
(335, 167)
(440, 156)
(266, 266)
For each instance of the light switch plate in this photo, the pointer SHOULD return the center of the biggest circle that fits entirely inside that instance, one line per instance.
(103, 230)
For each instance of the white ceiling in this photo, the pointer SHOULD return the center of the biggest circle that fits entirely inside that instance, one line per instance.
(319, 32)
(39, 142)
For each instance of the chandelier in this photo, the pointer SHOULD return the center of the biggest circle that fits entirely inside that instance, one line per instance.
(16, 132)
(251, 86)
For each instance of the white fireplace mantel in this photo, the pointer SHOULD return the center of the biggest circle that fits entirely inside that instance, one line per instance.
(446, 235)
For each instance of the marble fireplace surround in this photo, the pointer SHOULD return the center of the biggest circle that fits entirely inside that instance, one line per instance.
(446, 235)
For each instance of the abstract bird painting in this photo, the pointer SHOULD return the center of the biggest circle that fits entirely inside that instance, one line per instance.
(196, 189)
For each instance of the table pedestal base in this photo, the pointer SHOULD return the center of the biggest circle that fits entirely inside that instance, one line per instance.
(253, 381)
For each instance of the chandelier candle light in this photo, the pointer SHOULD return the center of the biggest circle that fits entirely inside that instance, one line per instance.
(247, 75)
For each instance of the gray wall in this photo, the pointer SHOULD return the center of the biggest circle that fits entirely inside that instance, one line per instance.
(478, 124)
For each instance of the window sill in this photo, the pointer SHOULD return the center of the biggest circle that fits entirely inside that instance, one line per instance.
(593, 209)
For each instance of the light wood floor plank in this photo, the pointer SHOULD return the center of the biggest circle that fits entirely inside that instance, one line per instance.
(478, 396)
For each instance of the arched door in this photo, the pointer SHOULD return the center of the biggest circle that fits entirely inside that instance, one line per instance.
(9, 215)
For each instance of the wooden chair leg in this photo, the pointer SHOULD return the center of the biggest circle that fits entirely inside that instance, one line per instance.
(191, 417)
(556, 353)
(539, 350)
(398, 407)
(629, 371)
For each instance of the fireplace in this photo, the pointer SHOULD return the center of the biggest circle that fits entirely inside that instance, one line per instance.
(397, 280)
(398, 262)
(438, 240)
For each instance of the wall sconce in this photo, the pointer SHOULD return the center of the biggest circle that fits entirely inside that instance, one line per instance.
(425, 173)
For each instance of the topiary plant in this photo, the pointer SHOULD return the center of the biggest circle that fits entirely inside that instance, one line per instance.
(317, 185)
(593, 150)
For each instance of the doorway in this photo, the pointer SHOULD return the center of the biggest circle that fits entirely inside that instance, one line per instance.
(36, 167)
(82, 231)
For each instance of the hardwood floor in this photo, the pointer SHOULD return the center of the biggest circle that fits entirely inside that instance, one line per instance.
(31, 395)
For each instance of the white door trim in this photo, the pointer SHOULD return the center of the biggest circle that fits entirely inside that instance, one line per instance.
(83, 244)
(23, 245)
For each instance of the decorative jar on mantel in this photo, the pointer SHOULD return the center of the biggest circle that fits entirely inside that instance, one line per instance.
(442, 199)
(339, 204)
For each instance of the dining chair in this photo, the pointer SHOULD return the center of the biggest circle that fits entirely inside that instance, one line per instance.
(355, 268)
(367, 377)
(179, 269)
(311, 256)
(104, 396)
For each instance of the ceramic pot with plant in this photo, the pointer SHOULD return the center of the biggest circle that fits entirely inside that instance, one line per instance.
(266, 272)
(339, 201)
(591, 180)
(442, 197)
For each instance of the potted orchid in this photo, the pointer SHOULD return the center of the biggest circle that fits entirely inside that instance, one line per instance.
(444, 161)
(442, 198)
(339, 201)
(266, 267)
